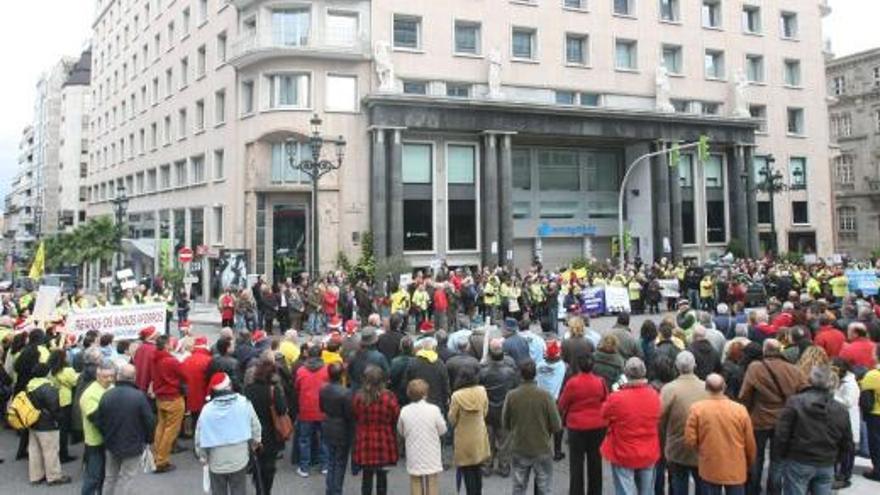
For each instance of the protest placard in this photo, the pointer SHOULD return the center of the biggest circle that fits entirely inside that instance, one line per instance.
(124, 322)
(44, 306)
(616, 299)
(669, 288)
(863, 280)
(593, 301)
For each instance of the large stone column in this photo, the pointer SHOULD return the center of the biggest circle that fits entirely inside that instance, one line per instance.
(751, 202)
(738, 208)
(505, 188)
(379, 195)
(489, 206)
(660, 193)
(675, 212)
(395, 200)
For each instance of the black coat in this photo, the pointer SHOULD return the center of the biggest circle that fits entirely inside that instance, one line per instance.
(338, 426)
(359, 363)
(45, 398)
(435, 375)
(707, 358)
(259, 394)
(498, 377)
(389, 344)
(459, 363)
(125, 420)
(813, 429)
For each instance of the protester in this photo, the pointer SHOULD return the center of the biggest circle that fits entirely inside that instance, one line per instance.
(43, 437)
(421, 425)
(94, 457)
(498, 376)
(767, 385)
(310, 377)
(847, 394)
(144, 357)
(226, 432)
(268, 400)
(375, 446)
(581, 406)
(721, 432)
(531, 417)
(167, 381)
(195, 372)
(632, 443)
(468, 409)
(676, 398)
(870, 387)
(426, 365)
(126, 423)
(63, 378)
(338, 427)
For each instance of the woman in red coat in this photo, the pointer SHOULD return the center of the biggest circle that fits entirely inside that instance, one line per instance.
(195, 373)
(375, 443)
(632, 442)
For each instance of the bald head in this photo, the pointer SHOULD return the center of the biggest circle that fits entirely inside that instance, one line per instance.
(126, 373)
(715, 384)
(772, 347)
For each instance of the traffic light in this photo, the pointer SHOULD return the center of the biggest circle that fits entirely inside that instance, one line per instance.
(704, 148)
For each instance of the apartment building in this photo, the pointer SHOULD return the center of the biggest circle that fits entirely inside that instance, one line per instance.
(44, 197)
(477, 131)
(854, 121)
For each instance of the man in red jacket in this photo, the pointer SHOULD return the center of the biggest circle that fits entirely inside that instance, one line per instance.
(144, 356)
(167, 381)
(310, 377)
(829, 338)
(195, 372)
(860, 350)
(632, 443)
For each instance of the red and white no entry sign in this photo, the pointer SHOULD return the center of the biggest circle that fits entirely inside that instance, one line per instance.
(185, 255)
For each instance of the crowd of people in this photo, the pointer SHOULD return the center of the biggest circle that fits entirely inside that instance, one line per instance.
(489, 373)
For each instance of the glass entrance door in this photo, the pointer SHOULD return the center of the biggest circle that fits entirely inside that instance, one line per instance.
(289, 241)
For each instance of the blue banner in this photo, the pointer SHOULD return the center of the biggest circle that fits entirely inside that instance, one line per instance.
(863, 280)
(593, 301)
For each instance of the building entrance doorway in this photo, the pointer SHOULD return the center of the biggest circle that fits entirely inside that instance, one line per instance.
(289, 241)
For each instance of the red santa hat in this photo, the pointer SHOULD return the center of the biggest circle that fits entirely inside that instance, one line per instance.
(427, 326)
(201, 341)
(219, 381)
(148, 332)
(335, 323)
(553, 350)
(258, 336)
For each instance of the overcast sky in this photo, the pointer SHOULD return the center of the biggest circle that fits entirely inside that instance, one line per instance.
(34, 34)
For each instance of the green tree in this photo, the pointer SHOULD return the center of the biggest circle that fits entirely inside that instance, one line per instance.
(92, 241)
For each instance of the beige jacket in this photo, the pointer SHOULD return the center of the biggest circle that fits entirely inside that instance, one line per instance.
(467, 414)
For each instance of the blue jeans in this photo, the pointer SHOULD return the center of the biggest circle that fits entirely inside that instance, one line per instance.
(93, 475)
(800, 479)
(679, 479)
(713, 489)
(307, 431)
(337, 462)
(317, 323)
(522, 468)
(633, 481)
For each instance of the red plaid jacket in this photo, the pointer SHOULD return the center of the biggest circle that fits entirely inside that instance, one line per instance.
(375, 443)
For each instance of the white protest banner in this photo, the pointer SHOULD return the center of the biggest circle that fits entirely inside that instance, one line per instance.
(669, 288)
(616, 299)
(47, 299)
(124, 322)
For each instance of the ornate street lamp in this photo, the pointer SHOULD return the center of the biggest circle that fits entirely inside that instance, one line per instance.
(120, 207)
(315, 168)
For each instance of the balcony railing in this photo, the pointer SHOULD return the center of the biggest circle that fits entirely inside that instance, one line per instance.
(258, 46)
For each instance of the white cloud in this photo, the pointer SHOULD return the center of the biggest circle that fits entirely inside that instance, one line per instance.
(852, 26)
(34, 35)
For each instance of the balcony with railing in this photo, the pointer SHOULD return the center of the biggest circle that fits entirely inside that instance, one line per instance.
(327, 43)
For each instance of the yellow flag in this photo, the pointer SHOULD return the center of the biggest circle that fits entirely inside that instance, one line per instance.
(39, 265)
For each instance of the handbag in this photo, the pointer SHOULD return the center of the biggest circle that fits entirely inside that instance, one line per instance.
(282, 423)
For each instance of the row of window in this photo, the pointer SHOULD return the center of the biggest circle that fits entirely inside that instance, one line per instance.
(140, 21)
(127, 148)
(839, 83)
(192, 171)
(842, 123)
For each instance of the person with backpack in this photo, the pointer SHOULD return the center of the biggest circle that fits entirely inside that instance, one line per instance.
(43, 435)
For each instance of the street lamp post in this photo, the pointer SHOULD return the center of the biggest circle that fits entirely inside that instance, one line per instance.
(772, 184)
(315, 168)
(120, 206)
